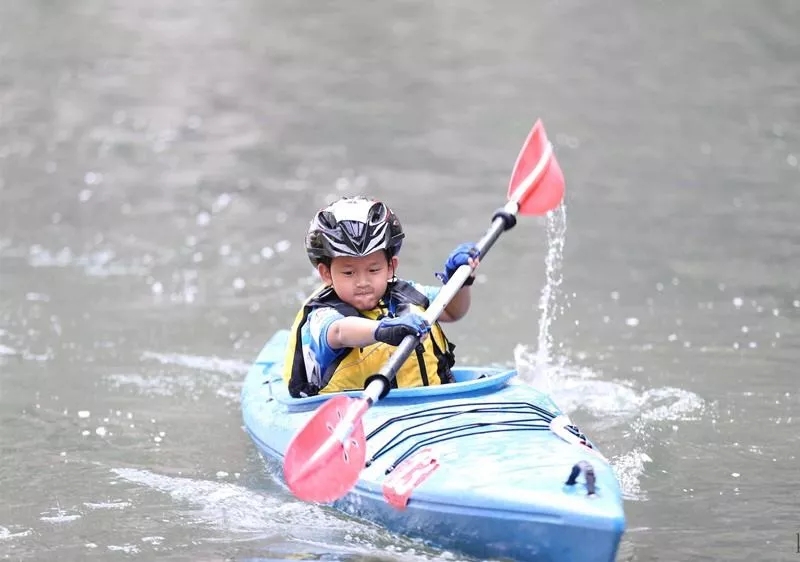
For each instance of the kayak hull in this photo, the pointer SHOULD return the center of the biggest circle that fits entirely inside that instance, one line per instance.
(498, 487)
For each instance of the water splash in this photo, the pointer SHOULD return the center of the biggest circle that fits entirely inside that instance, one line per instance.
(628, 417)
(548, 301)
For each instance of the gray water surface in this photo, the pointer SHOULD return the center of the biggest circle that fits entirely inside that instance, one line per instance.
(159, 163)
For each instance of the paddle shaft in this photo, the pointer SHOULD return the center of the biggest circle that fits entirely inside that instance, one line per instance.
(377, 387)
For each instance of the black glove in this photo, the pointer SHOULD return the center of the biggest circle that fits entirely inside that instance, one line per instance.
(394, 330)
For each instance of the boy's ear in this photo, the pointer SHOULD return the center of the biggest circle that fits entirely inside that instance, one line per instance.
(325, 273)
(393, 263)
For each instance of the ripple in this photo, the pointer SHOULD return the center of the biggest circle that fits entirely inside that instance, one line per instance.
(199, 362)
(58, 515)
(13, 532)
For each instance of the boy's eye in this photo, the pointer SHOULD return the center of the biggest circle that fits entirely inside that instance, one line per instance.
(375, 270)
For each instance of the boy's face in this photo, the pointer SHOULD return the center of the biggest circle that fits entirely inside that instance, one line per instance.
(359, 281)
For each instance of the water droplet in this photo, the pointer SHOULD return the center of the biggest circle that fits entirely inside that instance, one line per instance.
(221, 203)
(85, 195)
(92, 178)
(632, 321)
(157, 288)
(267, 252)
(792, 160)
(101, 431)
(738, 302)
(239, 284)
(672, 337)
(282, 246)
(745, 329)
(84, 414)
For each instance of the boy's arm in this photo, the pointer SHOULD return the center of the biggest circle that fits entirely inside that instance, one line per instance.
(351, 331)
(458, 307)
(359, 332)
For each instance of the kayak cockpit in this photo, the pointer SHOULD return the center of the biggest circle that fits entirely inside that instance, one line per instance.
(469, 381)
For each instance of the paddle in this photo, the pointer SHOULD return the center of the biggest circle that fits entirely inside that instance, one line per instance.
(325, 457)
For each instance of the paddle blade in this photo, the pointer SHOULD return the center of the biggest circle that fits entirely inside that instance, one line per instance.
(537, 178)
(320, 467)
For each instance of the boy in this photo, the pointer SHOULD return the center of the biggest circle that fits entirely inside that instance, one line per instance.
(348, 329)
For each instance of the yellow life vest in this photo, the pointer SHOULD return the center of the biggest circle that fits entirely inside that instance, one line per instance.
(430, 364)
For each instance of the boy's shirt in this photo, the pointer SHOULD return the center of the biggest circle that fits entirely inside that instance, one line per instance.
(314, 333)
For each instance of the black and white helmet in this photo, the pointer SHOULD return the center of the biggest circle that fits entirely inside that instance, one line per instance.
(353, 226)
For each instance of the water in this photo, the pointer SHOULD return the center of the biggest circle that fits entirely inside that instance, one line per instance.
(158, 166)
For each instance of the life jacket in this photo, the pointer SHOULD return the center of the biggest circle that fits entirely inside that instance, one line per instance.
(430, 365)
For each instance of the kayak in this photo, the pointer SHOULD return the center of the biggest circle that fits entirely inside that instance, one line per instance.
(486, 466)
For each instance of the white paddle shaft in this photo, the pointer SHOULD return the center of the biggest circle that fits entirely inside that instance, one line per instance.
(378, 387)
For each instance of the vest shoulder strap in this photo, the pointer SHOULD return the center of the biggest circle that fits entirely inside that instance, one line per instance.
(399, 292)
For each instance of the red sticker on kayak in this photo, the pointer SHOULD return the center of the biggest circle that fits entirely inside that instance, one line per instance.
(408, 475)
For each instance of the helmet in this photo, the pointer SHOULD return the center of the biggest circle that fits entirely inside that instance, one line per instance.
(353, 226)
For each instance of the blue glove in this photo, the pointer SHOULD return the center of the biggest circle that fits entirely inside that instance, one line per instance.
(458, 257)
(394, 330)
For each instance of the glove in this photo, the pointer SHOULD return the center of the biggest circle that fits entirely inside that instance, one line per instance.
(458, 257)
(394, 330)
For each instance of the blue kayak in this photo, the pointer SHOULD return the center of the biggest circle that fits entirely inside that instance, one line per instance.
(487, 466)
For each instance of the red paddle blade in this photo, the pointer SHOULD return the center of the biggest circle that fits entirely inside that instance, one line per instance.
(321, 463)
(537, 178)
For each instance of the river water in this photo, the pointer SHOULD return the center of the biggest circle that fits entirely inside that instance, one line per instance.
(159, 162)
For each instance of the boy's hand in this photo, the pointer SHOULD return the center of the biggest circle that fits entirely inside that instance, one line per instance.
(464, 254)
(394, 330)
